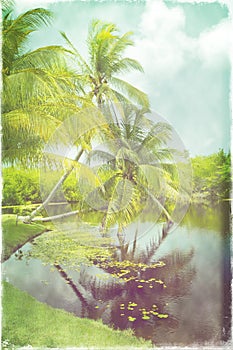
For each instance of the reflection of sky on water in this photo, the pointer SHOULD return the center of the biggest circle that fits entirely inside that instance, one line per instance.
(200, 311)
(41, 283)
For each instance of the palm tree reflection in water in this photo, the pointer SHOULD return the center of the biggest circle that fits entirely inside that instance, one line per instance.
(136, 290)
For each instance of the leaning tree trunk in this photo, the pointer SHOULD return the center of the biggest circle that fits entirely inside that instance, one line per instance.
(29, 219)
(55, 217)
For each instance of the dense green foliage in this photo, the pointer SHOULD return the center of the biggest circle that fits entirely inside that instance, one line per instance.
(16, 235)
(29, 322)
(212, 176)
(20, 186)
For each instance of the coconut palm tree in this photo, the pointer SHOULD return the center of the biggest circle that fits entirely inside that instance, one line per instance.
(140, 169)
(99, 76)
(38, 91)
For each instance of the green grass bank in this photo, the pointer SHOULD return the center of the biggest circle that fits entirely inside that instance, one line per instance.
(14, 236)
(29, 322)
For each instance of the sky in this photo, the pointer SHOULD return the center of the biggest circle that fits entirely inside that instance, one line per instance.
(184, 48)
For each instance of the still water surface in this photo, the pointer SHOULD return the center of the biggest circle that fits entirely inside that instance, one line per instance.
(196, 275)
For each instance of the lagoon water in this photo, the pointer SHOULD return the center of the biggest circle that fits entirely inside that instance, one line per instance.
(197, 275)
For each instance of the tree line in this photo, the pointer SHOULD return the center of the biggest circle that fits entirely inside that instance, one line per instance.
(211, 182)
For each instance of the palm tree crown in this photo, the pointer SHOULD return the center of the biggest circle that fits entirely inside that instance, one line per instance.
(136, 167)
(106, 50)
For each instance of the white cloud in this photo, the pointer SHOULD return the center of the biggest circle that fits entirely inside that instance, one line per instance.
(214, 45)
(185, 77)
(164, 48)
(163, 43)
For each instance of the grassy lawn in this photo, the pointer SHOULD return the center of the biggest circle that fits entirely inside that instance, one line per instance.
(14, 236)
(27, 321)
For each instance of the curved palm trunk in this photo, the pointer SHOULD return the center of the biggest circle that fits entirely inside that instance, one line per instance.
(56, 217)
(168, 216)
(30, 218)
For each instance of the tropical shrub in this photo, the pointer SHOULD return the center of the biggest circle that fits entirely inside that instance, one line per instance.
(212, 176)
(20, 186)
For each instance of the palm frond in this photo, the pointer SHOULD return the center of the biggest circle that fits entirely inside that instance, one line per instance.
(157, 135)
(100, 155)
(122, 204)
(18, 149)
(135, 94)
(47, 57)
(81, 62)
(125, 65)
(99, 35)
(126, 154)
(21, 87)
(151, 178)
(120, 45)
(16, 33)
(32, 121)
(31, 20)
(7, 8)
